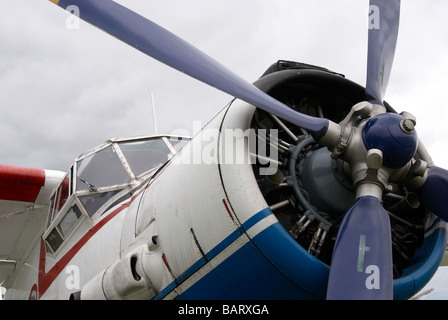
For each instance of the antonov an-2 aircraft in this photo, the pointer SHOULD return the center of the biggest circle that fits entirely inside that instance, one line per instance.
(309, 186)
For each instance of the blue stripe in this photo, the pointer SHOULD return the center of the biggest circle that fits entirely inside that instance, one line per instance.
(274, 266)
(293, 261)
(214, 252)
(245, 275)
(256, 218)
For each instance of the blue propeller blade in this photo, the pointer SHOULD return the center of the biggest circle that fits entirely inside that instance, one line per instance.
(384, 18)
(434, 192)
(361, 267)
(166, 47)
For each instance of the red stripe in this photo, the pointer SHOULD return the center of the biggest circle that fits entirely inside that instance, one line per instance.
(20, 184)
(168, 267)
(227, 208)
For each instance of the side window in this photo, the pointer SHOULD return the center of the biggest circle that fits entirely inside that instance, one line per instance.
(60, 232)
(92, 202)
(69, 220)
(51, 210)
(54, 240)
(60, 196)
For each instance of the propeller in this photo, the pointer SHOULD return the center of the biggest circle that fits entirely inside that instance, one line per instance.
(433, 193)
(383, 33)
(362, 259)
(361, 266)
(162, 45)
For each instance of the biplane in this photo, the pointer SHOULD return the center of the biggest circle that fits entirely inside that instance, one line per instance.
(305, 186)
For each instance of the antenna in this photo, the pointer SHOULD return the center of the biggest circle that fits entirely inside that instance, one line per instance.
(154, 113)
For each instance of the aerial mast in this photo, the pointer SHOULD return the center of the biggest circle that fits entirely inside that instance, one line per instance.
(154, 113)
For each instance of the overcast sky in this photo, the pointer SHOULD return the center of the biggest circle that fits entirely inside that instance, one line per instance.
(64, 91)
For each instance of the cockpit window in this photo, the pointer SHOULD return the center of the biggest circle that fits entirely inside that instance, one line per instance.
(69, 220)
(100, 179)
(145, 155)
(101, 169)
(60, 196)
(93, 201)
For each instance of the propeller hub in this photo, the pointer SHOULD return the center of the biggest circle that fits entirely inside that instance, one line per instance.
(394, 135)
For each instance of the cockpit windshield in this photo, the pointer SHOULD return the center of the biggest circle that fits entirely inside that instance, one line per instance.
(101, 169)
(103, 175)
(145, 155)
(121, 160)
